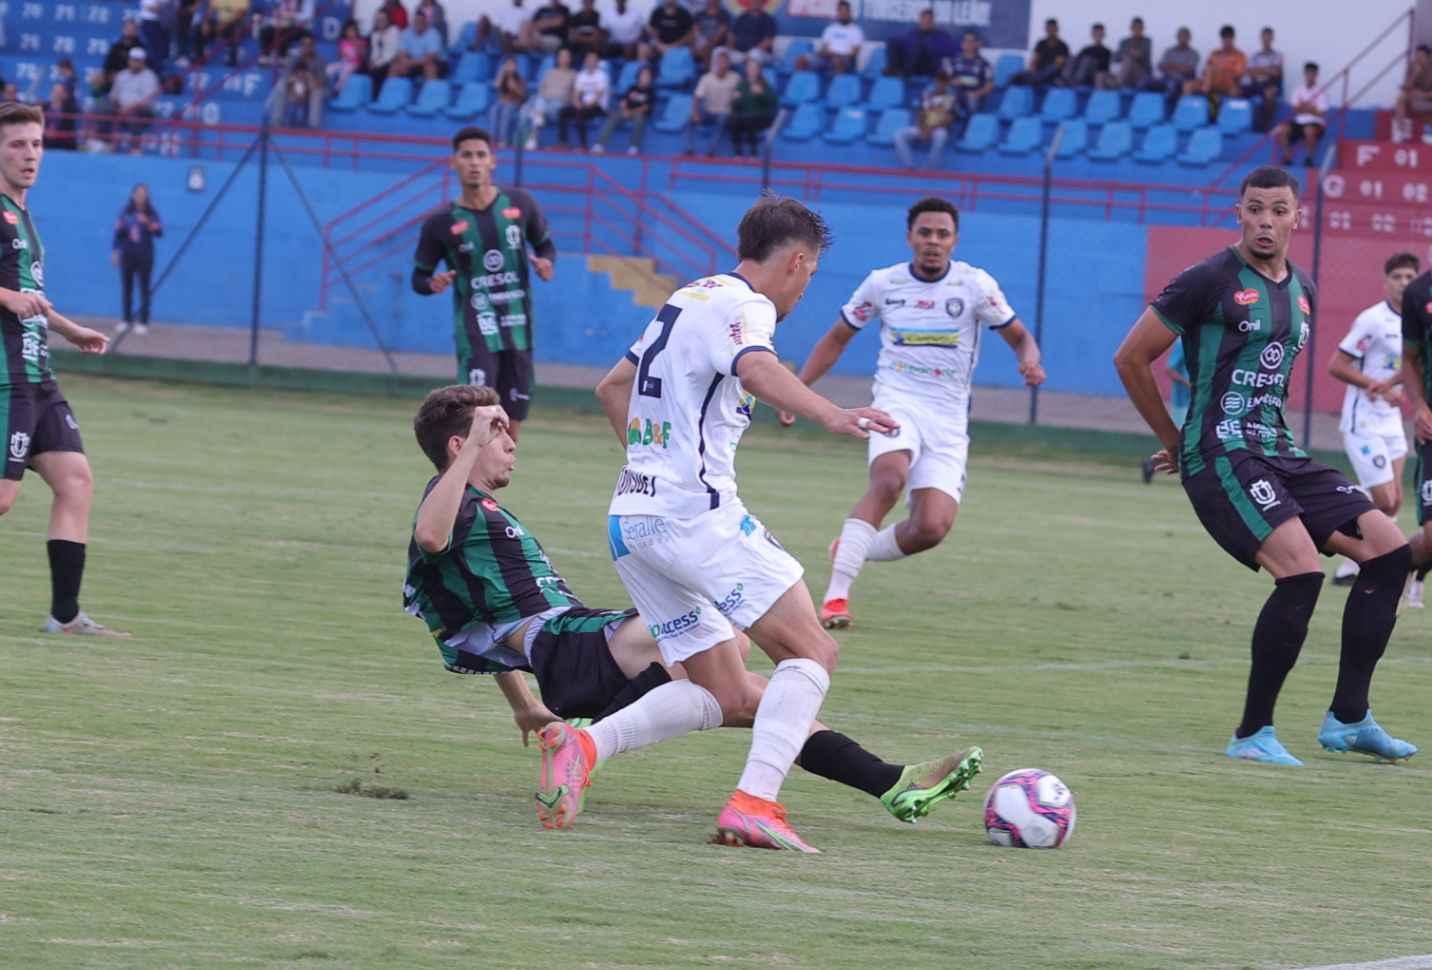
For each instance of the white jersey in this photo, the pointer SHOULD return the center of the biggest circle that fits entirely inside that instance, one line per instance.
(688, 411)
(930, 338)
(1375, 343)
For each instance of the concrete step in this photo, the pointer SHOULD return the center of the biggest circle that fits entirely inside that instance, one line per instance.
(648, 286)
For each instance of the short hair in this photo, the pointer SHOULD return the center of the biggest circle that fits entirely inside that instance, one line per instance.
(932, 203)
(1137, 20)
(16, 113)
(1424, 49)
(1266, 30)
(1312, 66)
(776, 220)
(1226, 30)
(1269, 177)
(471, 133)
(1052, 22)
(445, 412)
(1401, 261)
(1097, 26)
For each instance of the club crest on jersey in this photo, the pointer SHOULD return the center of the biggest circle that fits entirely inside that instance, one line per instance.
(1245, 297)
(954, 306)
(512, 212)
(489, 504)
(1263, 493)
(1304, 305)
(458, 228)
(11, 218)
(19, 446)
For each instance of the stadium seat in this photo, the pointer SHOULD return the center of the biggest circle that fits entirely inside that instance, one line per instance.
(1076, 138)
(357, 92)
(888, 92)
(805, 123)
(1007, 67)
(627, 77)
(848, 126)
(1191, 112)
(466, 38)
(803, 86)
(677, 68)
(1114, 141)
(1023, 137)
(844, 91)
(397, 93)
(891, 121)
(1147, 109)
(1016, 103)
(471, 66)
(472, 100)
(1205, 146)
(874, 63)
(547, 62)
(794, 49)
(674, 115)
(1160, 141)
(1103, 106)
(1235, 116)
(979, 134)
(1059, 103)
(433, 97)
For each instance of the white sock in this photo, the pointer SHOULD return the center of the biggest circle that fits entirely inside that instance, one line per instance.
(855, 539)
(885, 548)
(783, 719)
(668, 711)
(1347, 567)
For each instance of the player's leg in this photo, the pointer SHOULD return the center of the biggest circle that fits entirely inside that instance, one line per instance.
(17, 424)
(514, 386)
(1373, 465)
(889, 470)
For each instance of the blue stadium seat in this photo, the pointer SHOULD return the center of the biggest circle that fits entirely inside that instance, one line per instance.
(888, 92)
(471, 66)
(1160, 141)
(874, 64)
(677, 68)
(1059, 103)
(1007, 67)
(547, 62)
(1205, 146)
(473, 99)
(466, 38)
(805, 123)
(1076, 138)
(1023, 137)
(848, 126)
(794, 49)
(1114, 141)
(1016, 103)
(1235, 116)
(1103, 106)
(357, 92)
(397, 93)
(1147, 109)
(844, 90)
(979, 134)
(627, 77)
(1191, 112)
(433, 97)
(675, 114)
(802, 87)
(891, 121)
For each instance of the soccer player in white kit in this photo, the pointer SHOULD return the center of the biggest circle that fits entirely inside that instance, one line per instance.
(1369, 361)
(931, 309)
(695, 561)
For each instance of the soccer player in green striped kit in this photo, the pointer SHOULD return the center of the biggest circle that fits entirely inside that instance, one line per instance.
(39, 428)
(1243, 315)
(483, 238)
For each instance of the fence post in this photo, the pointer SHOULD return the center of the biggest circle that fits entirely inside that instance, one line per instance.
(1043, 260)
(264, 136)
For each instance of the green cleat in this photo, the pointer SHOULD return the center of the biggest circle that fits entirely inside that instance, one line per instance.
(921, 787)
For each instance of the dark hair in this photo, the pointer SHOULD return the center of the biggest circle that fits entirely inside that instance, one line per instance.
(1052, 22)
(471, 133)
(1097, 26)
(1137, 20)
(1266, 30)
(148, 200)
(1311, 66)
(932, 204)
(1424, 49)
(776, 220)
(1226, 30)
(16, 113)
(1269, 177)
(1399, 261)
(445, 412)
(65, 62)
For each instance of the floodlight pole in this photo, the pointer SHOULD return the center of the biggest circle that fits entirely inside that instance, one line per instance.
(259, 243)
(1043, 261)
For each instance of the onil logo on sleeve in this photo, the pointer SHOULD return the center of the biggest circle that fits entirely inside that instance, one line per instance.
(664, 629)
(1262, 492)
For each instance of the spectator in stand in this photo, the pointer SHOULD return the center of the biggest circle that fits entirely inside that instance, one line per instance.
(584, 32)
(133, 252)
(753, 109)
(506, 111)
(384, 43)
(590, 92)
(129, 101)
(184, 25)
(713, 28)
(934, 121)
(624, 28)
(298, 101)
(11, 92)
(512, 27)
(970, 75)
(840, 41)
(1309, 120)
(420, 52)
(711, 104)
(753, 34)
(671, 25)
(397, 13)
(60, 120)
(549, 26)
(487, 37)
(118, 57)
(554, 92)
(1415, 98)
(352, 55)
(1223, 72)
(1092, 62)
(65, 69)
(1177, 68)
(1264, 83)
(437, 17)
(223, 22)
(635, 106)
(921, 50)
(1132, 65)
(154, 33)
(1048, 59)
(289, 22)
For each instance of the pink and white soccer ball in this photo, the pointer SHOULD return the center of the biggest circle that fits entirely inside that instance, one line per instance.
(1029, 809)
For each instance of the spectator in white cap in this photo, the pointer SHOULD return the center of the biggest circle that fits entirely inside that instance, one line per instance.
(130, 99)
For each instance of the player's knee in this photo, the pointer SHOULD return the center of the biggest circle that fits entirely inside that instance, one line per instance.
(1388, 504)
(738, 704)
(75, 486)
(1391, 566)
(7, 499)
(926, 535)
(743, 644)
(823, 649)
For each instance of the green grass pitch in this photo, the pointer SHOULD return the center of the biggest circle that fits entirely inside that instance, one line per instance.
(185, 798)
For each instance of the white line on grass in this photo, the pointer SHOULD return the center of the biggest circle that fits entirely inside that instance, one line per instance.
(1423, 962)
(1093, 665)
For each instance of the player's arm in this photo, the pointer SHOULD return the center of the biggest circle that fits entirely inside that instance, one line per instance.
(87, 340)
(24, 305)
(529, 713)
(823, 356)
(1412, 378)
(1145, 343)
(766, 378)
(1021, 341)
(539, 234)
(433, 529)
(430, 253)
(614, 393)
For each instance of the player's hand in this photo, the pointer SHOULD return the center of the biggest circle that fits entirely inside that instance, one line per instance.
(441, 281)
(533, 719)
(1165, 460)
(26, 305)
(1033, 373)
(861, 422)
(1422, 426)
(113, 257)
(488, 422)
(786, 418)
(542, 265)
(87, 340)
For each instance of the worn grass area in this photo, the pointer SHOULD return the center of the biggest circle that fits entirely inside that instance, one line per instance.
(193, 797)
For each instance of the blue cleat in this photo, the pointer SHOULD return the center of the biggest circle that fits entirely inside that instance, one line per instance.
(1364, 737)
(1262, 745)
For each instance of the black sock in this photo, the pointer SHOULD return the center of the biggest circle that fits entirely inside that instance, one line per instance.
(832, 755)
(1368, 619)
(1277, 639)
(649, 679)
(67, 567)
(1423, 570)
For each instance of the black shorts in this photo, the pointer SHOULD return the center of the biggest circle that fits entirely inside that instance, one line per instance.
(509, 372)
(1241, 498)
(36, 418)
(575, 672)
(1421, 474)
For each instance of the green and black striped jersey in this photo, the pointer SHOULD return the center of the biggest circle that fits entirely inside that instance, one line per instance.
(22, 268)
(1417, 327)
(1241, 333)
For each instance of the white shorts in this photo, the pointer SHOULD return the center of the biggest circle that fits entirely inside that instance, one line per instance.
(692, 580)
(1372, 456)
(939, 446)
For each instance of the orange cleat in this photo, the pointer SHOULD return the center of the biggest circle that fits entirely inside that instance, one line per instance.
(835, 615)
(568, 756)
(761, 824)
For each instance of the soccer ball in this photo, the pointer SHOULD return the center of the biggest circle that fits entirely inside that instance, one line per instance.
(1029, 809)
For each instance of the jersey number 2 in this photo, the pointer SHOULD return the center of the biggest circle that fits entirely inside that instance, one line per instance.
(646, 385)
